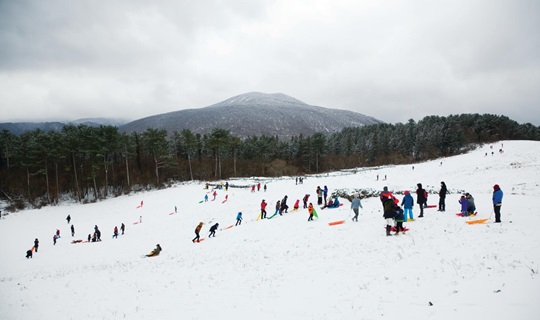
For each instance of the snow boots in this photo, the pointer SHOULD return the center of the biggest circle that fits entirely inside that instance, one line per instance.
(388, 229)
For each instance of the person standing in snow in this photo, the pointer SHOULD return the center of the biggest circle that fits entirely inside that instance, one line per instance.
(122, 227)
(389, 214)
(72, 230)
(36, 245)
(215, 195)
(442, 197)
(325, 193)
(213, 230)
(54, 240)
(263, 209)
(238, 219)
(305, 200)
(421, 198)
(68, 218)
(472, 206)
(310, 210)
(355, 205)
(497, 202)
(115, 232)
(197, 231)
(284, 206)
(407, 203)
(319, 192)
(278, 208)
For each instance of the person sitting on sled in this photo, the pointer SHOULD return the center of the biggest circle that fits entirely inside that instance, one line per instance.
(155, 252)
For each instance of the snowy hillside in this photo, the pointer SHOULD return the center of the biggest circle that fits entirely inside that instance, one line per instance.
(255, 114)
(287, 267)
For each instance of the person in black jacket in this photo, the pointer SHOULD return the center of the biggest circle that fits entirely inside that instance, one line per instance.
(442, 197)
(213, 230)
(421, 199)
(389, 214)
(36, 245)
(284, 206)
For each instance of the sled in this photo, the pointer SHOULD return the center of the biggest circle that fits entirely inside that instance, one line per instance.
(315, 214)
(336, 222)
(136, 222)
(478, 221)
(394, 229)
(201, 239)
(275, 214)
(259, 217)
(229, 227)
(431, 206)
(224, 201)
(138, 207)
(171, 213)
(76, 241)
(201, 201)
(460, 214)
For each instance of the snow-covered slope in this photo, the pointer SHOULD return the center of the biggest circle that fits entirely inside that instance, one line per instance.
(286, 267)
(255, 114)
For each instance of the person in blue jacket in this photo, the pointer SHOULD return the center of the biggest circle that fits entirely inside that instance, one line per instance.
(238, 219)
(497, 202)
(407, 203)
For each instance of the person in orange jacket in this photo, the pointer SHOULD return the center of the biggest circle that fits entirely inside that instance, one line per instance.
(310, 210)
(197, 231)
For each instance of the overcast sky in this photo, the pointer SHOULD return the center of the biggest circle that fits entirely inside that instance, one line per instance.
(393, 60)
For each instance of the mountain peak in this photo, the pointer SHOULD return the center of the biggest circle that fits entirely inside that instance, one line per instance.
(259, 98)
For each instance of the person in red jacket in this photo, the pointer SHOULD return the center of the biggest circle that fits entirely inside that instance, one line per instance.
(263, 209)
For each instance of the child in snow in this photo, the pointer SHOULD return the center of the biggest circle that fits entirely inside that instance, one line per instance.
(399, 220)
(305, 200)
(205, 198)
(472, 206)
(115, 232)
(54, 240)
(29, 254)
(155, 252)
(355, 205)
(68, 218)
(197, 230)
(213, 230)
(310, 210)
(238, 219)
(407, 203)
(263, 209)
(278, 207)
(464, 206)
(296, 204)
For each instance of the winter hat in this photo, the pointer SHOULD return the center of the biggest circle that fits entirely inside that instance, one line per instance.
(385, 189)
(496, 187)
(419, 185)
(406, 191)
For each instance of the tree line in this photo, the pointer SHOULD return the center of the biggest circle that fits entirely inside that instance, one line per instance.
(86, 163)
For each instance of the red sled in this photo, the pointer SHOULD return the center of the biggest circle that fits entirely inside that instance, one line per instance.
(432, 206)
(394, 229)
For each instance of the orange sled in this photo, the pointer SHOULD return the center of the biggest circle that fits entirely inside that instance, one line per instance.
(336, 222)
(477, 221)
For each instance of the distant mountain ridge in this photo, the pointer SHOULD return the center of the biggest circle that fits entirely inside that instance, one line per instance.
(255, 114)
(18, 128)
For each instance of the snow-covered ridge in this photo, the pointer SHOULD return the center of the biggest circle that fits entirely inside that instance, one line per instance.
(255, 114)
